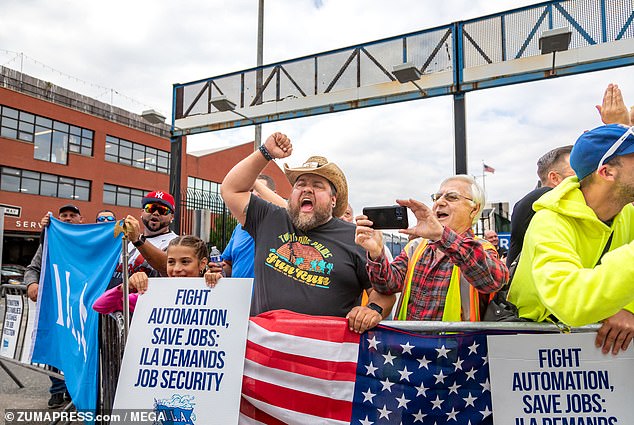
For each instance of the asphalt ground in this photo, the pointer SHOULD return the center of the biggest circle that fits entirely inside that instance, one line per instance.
(34, 395)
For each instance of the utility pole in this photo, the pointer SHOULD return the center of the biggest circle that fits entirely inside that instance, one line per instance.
(258, 73)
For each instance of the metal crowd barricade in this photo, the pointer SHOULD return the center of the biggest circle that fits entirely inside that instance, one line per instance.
(519, 327)
(23, 340)
(111, 346)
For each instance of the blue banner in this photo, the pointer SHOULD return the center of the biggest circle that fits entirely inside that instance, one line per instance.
(77, 264)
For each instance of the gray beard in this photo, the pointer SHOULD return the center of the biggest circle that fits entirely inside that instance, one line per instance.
(306, 222)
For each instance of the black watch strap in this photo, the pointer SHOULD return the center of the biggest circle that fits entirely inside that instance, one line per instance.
(376, 307)
(140, 242)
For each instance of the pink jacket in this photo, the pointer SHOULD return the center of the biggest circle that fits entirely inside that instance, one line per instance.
(112, 300)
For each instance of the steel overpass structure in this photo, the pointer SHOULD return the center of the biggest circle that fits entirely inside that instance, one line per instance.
(453, 59)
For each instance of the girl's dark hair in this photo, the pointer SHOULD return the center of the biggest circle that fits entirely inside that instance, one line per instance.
(198, 245)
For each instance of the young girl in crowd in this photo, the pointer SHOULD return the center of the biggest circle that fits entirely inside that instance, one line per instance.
(186, 257)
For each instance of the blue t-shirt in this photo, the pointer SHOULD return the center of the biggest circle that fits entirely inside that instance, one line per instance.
(240, 251)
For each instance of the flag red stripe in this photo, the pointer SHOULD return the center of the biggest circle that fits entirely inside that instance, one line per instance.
(308, 366)
(253, 412)
(297, 401)
(306, 326)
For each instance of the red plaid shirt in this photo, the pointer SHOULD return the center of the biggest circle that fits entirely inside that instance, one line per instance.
(481, 267)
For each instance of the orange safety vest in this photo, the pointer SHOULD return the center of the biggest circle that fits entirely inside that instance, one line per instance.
(453, 303)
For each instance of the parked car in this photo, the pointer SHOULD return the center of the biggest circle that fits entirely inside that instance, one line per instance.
(13, 273)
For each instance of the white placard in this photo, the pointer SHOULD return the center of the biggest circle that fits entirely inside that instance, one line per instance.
(184, 355)
(11, 326)
(29, 334)
(559, 380)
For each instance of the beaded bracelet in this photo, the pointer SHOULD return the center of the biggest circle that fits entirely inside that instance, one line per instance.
(265, 153)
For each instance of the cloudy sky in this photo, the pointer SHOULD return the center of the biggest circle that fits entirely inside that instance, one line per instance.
(131, 52)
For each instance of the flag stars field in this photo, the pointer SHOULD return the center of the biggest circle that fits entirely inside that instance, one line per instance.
(384, 377)
(410, 379)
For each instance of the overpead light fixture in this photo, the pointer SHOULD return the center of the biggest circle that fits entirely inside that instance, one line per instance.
(406, 72)
(553, 41)
(222, 104)
(556, 40)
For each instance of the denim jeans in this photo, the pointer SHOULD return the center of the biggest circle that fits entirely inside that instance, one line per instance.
(57, 385)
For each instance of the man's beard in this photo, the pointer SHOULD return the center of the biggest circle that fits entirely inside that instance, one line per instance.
(624, 193)
(155, 227)
(306, 222)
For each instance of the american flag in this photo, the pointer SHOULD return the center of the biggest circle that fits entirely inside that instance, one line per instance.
(488, 168)
(312, 370)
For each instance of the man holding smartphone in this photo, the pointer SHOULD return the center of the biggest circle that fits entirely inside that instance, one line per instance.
(305, 258)
(445, 273)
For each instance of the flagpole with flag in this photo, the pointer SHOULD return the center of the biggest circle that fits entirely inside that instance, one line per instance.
(486, 169)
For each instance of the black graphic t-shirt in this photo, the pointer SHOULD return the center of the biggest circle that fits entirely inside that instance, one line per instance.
(320, 272)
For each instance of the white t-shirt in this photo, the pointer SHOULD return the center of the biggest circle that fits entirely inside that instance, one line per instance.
(137, 263)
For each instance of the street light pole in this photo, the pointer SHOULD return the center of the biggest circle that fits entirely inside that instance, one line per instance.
(258, 73)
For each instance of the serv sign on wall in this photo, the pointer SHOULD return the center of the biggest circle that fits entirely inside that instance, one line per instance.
(559, 380)
(184, 355)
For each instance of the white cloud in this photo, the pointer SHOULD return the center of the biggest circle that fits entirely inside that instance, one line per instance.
(140, 48)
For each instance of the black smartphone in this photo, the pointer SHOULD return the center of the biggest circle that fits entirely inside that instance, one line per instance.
(388, 217)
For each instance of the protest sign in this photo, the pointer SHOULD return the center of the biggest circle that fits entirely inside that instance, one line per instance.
(184, 355)
(559, 380)
(27, 346)
(12, 323)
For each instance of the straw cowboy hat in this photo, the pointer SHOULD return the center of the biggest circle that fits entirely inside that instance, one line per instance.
(322, 167)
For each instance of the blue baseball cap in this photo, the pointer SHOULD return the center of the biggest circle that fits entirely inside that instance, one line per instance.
(597, 146)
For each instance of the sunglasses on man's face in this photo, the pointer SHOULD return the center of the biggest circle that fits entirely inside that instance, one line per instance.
(105, 218)
(161, 209)
(449, 196)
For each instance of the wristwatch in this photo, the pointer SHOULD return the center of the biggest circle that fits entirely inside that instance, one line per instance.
(375, 307)
(140, 242)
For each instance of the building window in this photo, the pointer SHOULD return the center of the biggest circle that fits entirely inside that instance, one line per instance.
(203, 194)
(52, 139)
(123, 196)
(137, 155)
(34, 183)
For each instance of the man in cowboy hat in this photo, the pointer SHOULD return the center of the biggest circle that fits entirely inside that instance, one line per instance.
(305, 259)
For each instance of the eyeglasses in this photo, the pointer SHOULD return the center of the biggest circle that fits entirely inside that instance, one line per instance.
(449, 197)
(615, 146)
(103, 218)
(161, 209)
